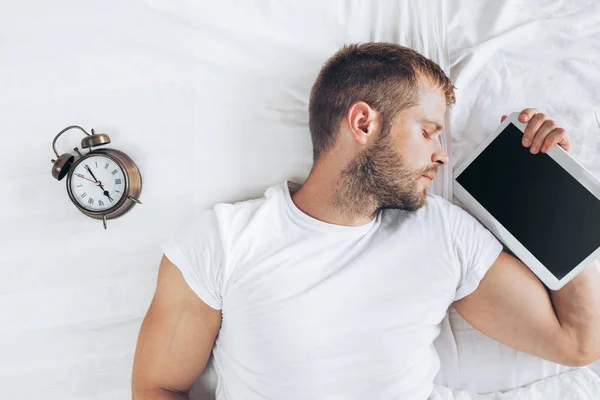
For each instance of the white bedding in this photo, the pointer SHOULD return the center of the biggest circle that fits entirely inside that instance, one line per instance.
(505, 56)
(210, 100)
(578, 384)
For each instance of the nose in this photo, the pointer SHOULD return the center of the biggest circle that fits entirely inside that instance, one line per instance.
(439, 156)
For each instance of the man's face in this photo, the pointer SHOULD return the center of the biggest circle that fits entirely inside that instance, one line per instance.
(392, 171)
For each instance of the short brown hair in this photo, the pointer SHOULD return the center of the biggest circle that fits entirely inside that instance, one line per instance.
(383, 75)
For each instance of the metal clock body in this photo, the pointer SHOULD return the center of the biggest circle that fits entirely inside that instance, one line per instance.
(104, 183)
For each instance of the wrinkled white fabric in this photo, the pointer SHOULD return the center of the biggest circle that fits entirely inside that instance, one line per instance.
(209, 98)
(505, 56)
(577, 384)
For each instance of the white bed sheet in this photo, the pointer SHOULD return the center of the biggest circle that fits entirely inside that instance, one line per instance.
(210, 100)
(578, 384)
(505, 56)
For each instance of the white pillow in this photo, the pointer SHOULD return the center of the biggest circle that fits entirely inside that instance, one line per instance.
(495, 52)
(578, 384)
(253, 67)
(471, 361)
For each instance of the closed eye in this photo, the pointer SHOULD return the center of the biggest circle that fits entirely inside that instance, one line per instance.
(432, 137)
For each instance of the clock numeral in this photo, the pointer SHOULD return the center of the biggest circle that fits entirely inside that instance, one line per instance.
(110, 199)
(114, 172)
(117, 191)
(96, 164)
(91, 201)
(100, 203)
(106, 166)
(79, 185)
(83, 195)
(117, 181)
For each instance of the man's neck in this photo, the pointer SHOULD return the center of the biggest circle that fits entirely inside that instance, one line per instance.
(326, 197)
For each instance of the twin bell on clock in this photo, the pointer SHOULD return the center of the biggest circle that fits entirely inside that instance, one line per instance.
(104, 183)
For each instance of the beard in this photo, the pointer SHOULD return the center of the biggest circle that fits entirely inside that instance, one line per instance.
(379, 178)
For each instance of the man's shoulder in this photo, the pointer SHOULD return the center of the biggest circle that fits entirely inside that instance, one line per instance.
(233, 217)
(435, 211)
(445, 205)
(247, 206)
(455, 213)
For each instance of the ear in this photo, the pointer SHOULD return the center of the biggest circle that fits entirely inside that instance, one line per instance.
(363, 121)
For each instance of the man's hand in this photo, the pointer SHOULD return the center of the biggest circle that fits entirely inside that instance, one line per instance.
(542, 133)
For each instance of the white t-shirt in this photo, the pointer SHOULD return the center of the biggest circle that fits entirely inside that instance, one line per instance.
(313, 310)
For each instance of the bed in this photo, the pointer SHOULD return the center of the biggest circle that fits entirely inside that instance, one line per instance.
(210, 100)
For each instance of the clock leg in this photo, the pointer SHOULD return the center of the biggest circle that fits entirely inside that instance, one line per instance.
(134, 200)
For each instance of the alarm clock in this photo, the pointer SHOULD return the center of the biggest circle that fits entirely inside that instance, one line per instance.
(102, 184)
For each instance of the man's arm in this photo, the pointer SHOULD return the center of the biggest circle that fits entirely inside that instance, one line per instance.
(175, 340)
(512, 306)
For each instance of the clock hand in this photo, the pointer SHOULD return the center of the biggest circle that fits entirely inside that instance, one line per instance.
(81, 176)
(97, 181)
(91, 173)
(107, 195)
(97, 184)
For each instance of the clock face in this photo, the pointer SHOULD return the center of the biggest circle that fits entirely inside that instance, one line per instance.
(97, 183)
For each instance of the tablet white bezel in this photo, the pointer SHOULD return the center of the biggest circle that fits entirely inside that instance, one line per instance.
(583, 176)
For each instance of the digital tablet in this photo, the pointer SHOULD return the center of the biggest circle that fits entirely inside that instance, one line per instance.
(544, 207)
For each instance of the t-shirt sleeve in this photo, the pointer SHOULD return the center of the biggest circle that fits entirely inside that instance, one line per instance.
(197, 250)
(475, 249)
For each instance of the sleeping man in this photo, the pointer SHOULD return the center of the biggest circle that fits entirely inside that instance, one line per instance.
(335, 289)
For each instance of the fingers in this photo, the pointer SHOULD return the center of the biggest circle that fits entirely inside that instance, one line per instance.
(503, 118)
(557, 136)
(527, 114)
(545, 128)
(535, 123)
(542, 133)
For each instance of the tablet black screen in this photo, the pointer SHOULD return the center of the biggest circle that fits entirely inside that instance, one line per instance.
(536, 200)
